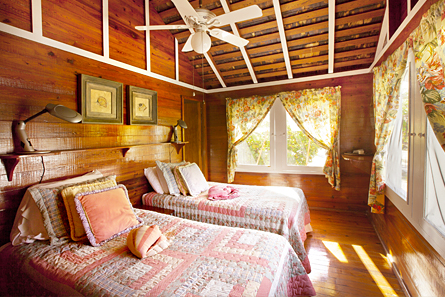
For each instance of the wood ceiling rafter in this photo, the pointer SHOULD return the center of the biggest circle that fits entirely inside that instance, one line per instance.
(306, 38)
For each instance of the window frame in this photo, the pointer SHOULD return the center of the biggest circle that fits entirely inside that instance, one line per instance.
(413, 207)
(278, 148)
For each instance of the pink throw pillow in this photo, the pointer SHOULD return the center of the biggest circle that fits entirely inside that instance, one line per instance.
(106, 214)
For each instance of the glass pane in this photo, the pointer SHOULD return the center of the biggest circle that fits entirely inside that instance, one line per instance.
(255, 150)
(404, 101)
(434, 209)
(301, 150)
(398, 145)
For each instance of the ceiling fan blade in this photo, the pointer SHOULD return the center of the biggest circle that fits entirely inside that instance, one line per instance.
(162, 27)
(186, 10)
(228, 37)
(243, 14)
(188, 44)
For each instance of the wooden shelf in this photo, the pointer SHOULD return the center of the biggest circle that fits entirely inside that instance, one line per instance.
(357, 157)
(178, 145)
(362, 162)
(11, 160)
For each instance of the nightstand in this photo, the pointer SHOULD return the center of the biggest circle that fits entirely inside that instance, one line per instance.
(156, 209)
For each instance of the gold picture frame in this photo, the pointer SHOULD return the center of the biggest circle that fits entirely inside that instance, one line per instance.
(142, 106)
(101, 100)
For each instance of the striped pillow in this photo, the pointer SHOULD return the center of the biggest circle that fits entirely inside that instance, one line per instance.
(180, 181)
(166, 169)
(53, 212)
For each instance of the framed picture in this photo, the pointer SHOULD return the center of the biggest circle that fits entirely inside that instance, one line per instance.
(142, 106)
(100, 100)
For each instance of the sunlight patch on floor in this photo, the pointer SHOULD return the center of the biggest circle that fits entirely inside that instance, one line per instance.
(335, 249)
(322, 271)
(375, 273)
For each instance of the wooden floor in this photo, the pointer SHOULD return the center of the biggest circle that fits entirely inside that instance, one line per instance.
(347, 258)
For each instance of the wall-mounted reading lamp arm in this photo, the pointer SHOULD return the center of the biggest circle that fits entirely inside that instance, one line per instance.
(19, 133)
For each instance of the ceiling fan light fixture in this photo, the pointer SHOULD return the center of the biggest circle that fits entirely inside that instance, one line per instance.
(201, 42)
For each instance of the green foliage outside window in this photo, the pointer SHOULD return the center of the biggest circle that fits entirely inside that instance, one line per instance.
(300, 148)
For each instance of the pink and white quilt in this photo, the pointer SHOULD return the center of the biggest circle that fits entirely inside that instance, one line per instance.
(202, 260)
(280, 210)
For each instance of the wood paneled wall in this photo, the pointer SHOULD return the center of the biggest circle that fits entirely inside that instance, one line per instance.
(33, 75)
(356, 131)
(417, 263)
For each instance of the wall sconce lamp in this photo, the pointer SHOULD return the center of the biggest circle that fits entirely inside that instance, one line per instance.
(24, 146)
(181, 124)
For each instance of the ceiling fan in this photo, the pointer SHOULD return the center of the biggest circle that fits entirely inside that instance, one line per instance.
(201, 20)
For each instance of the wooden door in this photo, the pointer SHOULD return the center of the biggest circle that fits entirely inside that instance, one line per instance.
(194, 116)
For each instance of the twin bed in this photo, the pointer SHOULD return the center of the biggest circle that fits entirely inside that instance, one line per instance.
(224, 258)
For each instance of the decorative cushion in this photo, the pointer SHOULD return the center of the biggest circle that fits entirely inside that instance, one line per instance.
(106, 214)
(194, 179)
(77, 231)
(152, 177)
(28, 224)
(167, 173)
(146, 241)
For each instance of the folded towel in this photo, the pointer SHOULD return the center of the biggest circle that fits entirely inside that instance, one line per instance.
(146, 241)
(223, 192)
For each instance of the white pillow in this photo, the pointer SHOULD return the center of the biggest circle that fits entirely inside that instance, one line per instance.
(153, 179)
(194, 179)
(162, 180)
(28, 224)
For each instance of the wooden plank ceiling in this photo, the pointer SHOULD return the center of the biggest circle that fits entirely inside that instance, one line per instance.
(306, 27)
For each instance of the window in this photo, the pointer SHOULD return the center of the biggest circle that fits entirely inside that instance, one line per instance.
(415, 174)
(278, 145)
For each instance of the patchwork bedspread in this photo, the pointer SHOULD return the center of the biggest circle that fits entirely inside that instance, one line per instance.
(280, 210)
(202, 260)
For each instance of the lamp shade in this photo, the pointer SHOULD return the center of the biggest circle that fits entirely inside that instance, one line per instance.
(63, 112)
(201, 42)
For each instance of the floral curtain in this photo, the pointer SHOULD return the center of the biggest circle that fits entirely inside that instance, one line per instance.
(428, 42)
(387, 79)
(243, 116)
(317, 113)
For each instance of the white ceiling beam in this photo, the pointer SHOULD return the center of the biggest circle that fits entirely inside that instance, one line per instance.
(105, 29)
(242, 49)
(147, 36)
(279, 18)
(209, 60)
(177, 59)
(36, 13)
(384, 31)
(89, 55)
(290, 81)
(331, 39)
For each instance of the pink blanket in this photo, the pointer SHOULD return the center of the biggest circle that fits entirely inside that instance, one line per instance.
(223, 192)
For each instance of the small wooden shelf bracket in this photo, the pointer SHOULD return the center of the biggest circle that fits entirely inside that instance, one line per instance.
(11, 160)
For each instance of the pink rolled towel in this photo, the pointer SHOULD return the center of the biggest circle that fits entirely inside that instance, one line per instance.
(223, 192)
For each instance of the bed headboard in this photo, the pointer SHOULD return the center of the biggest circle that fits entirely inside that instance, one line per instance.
(127, 164)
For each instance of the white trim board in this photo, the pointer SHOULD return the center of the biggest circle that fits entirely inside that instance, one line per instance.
(77, 51)
(291, 81)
